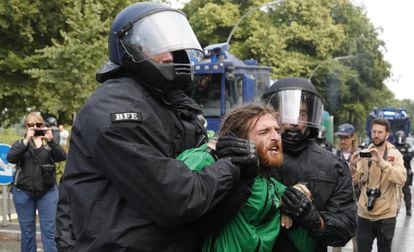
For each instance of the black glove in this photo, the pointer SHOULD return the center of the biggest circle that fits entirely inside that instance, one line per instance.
(297, 206)
(242, 153)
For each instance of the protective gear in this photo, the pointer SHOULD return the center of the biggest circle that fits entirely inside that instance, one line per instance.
(322, 133)
(147, 29)
(296, 101)
(51, 122)
(156, 198)
(296, 205)
(400, 137)
(242, 153)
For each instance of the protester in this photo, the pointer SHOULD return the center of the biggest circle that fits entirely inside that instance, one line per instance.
(34, 187)
(123, 187)
(348, 144)
(380, 172)
(405, 149)
(258, 223)
(330, 217)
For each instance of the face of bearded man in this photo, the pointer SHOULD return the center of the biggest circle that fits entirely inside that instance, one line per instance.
(379, 135)
(270, 155)
(265, 133)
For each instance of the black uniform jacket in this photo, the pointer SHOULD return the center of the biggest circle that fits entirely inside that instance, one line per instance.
(330, 183)
(125, 189)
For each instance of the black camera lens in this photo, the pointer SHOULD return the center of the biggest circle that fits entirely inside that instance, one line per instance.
(373, 194)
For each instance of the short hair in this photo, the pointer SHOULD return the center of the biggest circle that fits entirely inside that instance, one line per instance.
(239, 120)
(383, 122)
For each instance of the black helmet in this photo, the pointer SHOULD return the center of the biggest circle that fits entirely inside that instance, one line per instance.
(400, 137)
(322, 133)
(51, 122)
(288, 95)
(146, 29)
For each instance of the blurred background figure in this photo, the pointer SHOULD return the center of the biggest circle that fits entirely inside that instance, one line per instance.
(348, 141)
(348, 144)
(63, 135)
(322, 141)
(51, 123)
(405, 149)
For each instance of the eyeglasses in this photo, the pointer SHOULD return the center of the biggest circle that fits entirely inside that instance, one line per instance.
(344, 137)
(38, 125)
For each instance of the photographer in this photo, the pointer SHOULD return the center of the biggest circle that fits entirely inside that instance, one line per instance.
(34, 186)
(380, 172)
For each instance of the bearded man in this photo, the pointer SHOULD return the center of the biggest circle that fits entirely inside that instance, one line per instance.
(257, 225)
(380, 172)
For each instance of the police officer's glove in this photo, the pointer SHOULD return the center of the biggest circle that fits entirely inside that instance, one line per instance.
(297, 206)
(242, 153)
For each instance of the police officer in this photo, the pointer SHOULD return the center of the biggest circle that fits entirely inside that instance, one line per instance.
(322, 141)
(405, 149)
(331, 216)
(122, 186)
(51, 123)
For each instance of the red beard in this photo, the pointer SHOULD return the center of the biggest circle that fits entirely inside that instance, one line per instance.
(269, 161)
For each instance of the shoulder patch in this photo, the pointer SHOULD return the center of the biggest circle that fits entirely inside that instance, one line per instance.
(126, 117)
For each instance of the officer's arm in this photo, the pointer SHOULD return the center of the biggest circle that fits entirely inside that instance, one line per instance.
(162, 188)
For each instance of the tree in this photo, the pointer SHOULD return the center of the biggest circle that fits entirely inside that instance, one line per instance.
(294, 37)
(24, 28)
(50, 65)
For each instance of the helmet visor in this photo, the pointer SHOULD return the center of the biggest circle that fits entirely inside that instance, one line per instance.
(298, 107)
(163, 32)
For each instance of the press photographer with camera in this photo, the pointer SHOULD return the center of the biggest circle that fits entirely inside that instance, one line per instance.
(34, 185)
(380, 172)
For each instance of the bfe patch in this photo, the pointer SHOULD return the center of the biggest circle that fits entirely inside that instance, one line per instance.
(126, 117)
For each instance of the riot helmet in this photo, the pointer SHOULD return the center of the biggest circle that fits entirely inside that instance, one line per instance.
(400, 137)
(296, 102)
(322, 133)
(51, 122)
(144, 30)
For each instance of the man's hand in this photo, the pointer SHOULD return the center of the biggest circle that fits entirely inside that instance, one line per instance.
(242, 153)
(296, 205)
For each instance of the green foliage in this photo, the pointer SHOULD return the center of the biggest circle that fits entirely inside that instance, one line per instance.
(9, 135)
(50, 53)
(50, 50)
(331, 41)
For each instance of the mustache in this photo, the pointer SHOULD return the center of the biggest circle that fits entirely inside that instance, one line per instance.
(277, 145)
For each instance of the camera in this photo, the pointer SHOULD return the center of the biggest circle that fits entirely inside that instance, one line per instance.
(365, 153)
(39, 132)
(373, 194)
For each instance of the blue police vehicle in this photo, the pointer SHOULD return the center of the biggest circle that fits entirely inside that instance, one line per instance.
(222, 81)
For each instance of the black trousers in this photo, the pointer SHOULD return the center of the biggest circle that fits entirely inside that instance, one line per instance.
(368, 230)
(407, 196)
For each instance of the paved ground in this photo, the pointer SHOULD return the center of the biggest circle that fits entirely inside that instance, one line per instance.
(403, 238)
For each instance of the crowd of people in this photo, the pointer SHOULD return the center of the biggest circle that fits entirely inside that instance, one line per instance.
(143, 175)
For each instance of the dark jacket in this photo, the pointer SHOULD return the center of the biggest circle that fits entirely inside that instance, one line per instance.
(330, 183)
(125, 189)
(28, 160)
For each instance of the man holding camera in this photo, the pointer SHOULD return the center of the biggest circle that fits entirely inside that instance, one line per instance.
(380, 172)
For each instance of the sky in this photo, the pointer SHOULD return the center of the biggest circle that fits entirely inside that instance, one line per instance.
(394, 20)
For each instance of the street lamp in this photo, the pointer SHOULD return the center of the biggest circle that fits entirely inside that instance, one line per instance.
(335, 59)
(247, 14)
